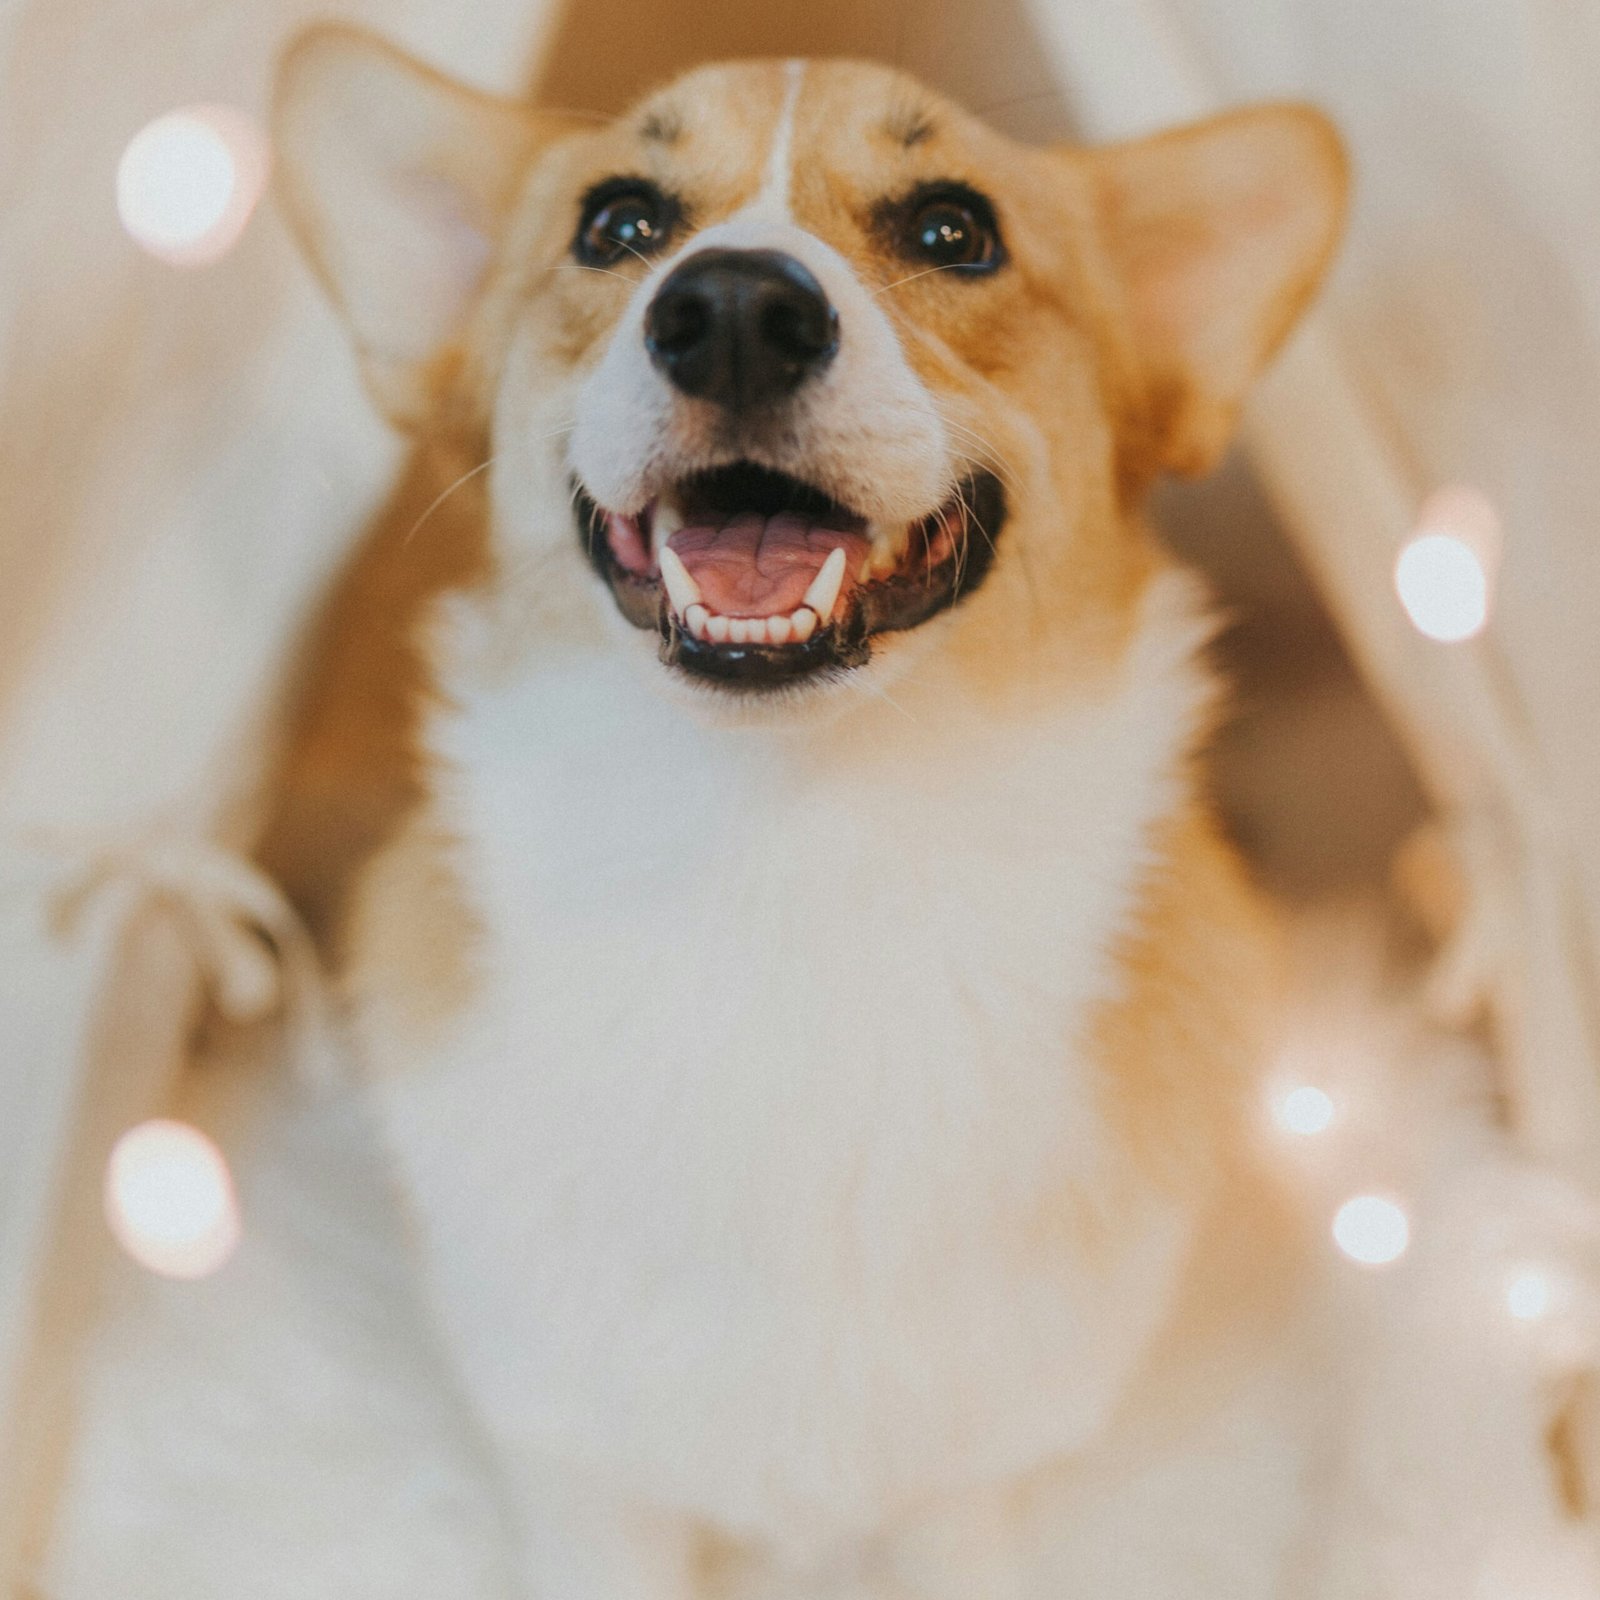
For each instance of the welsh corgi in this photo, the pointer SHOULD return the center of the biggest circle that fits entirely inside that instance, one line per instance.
(815, 1025)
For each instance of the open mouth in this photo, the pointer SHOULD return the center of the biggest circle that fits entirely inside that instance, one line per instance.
(754, 578)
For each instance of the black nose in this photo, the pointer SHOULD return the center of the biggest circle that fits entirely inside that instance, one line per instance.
(740, 328)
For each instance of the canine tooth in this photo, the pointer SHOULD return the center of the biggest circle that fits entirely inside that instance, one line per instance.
(779, 629)
(717, 627)
(682, 590)
(804, 623)
(824, 590)
(668, 519)
(694, 619)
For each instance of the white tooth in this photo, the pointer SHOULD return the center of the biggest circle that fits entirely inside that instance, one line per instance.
(668, 519)
(756, 630)
(694, 619)
(739, 631)
(717, 628)
(779, 629)
(824, 590)
(804, 623)
(682, 590)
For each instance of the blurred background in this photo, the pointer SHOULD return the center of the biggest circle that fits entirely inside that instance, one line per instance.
(186, 460)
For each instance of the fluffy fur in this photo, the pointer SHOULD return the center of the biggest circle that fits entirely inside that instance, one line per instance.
(829, 1122)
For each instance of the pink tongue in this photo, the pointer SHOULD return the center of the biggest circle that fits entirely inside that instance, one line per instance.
(755, 566)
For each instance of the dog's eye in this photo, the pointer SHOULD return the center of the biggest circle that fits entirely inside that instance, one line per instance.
(953, 230)
(622, 218)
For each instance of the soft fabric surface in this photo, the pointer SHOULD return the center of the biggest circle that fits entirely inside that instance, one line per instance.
(285, 1428)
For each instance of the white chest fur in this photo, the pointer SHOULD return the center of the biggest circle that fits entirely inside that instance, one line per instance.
(764, 1171)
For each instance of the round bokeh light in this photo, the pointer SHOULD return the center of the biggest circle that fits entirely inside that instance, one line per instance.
(170, 1200)
(188, 183)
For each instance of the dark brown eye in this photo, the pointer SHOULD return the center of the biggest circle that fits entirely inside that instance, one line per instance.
(954, 228)
(627, 217)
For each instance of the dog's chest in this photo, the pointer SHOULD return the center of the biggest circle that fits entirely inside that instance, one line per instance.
(767, 1166)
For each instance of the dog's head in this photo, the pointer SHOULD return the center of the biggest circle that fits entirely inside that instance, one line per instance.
(797, 357)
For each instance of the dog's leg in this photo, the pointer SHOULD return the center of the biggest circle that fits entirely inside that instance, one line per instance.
(579, 1542)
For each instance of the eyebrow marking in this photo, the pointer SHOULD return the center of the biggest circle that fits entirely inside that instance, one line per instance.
(910, 126)
(662, 127)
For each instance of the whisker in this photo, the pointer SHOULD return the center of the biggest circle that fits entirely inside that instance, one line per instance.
(583, 266)
(866, 686)
(588, 524)
(912, 277)
(466, 477)
(966, 541)
(979, 457)
(1003, 468)
(1010, 478)
(632, 252)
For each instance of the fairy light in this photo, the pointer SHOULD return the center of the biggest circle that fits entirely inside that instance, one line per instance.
(1304, 1111)
(1529, 1295)
(189, 181)
(1372, 1230)
(1445, 573)
(170, 1200)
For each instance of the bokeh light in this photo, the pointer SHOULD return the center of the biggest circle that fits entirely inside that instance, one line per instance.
(1445, 573)
(189, 181)
(170, 1200)
(1529, 1295)
(1372, 1230)
(1304, 1111)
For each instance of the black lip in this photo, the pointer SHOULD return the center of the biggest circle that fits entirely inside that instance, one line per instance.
(895, 604)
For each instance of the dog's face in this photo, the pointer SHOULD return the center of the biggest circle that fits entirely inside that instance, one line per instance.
(798, 359)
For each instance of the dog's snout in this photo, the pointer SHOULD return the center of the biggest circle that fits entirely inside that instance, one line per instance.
(741, 328)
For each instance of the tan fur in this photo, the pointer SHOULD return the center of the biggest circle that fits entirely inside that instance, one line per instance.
(1203, 975)
(1145, 287)
(349, 770)
(1182, 1053)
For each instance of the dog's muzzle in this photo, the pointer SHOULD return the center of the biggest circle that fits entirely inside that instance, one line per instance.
(740, 329)
(753, 576)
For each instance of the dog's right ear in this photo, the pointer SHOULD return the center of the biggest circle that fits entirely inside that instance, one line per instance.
(396, 181)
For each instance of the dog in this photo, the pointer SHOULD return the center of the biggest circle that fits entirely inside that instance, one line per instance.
(816, 1027)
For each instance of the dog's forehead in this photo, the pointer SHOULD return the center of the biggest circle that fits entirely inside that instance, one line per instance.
(741, 126)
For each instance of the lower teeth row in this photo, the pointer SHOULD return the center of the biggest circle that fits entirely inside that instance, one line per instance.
(795, 628)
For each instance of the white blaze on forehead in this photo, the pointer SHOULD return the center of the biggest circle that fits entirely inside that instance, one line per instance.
(773, 198)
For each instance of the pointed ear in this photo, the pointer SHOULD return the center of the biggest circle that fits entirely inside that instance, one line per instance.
(1219, 236)
(396, 181)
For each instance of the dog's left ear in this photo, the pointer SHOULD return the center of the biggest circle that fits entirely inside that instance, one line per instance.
(1218, 236)
(396, 180)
